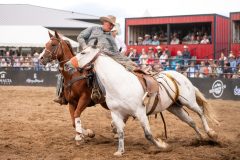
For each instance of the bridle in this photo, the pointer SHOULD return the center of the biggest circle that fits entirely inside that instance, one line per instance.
(54, 52)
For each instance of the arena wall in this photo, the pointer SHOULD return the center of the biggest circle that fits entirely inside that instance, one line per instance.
(212, 88)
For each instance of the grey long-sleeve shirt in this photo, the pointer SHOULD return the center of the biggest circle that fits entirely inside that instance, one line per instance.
(105, 39)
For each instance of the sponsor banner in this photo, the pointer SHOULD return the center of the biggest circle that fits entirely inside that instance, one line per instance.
(28, 78)
(4, 78)
(218, 88)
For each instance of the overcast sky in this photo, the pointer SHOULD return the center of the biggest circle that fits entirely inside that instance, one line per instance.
(137, 8)
(134, 8)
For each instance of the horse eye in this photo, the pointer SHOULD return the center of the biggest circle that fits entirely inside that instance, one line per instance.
(83, 53)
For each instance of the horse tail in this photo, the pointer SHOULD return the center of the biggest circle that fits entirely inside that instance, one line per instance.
(206, 106)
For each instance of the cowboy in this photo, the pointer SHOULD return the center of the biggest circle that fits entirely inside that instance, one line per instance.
(102, 33)
(105, 41)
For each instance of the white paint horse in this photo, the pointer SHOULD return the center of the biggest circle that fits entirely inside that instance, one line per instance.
(124, 95)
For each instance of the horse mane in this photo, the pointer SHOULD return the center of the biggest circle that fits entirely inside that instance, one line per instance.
(69, 46)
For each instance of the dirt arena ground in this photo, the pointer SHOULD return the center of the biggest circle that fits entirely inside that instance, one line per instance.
(33, 127)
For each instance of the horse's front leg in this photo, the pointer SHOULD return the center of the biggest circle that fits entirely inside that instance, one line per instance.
(71, 111)
(118, 121)
(80, 131)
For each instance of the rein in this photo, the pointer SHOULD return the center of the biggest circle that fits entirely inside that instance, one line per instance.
(70, 83)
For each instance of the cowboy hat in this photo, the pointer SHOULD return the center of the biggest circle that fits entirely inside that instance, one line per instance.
(111, 19)
(150, 48)
(158, 47)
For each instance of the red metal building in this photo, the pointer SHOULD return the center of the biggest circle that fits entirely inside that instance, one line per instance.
(235, 32)
(215, 26)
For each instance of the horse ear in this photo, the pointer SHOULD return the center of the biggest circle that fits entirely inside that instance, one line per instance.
(57, 35)
(50, 34)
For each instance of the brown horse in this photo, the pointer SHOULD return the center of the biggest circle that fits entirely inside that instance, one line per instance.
(76, 87)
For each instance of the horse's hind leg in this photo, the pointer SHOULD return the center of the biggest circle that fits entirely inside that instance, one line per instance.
(182, 114)
(196, 108)
(142, 117)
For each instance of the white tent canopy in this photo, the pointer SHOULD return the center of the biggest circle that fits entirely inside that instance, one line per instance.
(26, 36)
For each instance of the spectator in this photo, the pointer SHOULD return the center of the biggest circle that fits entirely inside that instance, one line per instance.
(17, 63)
(8, 58)
(187, 37)
(179, 58)
(163, 58)
(147, 40)
(222, 59)
(120, 44)
(198, 39)
(3, 63)
(216, 70)
(203, 70)
(151, 56)
(36, 62)
(205, 40)
(159, 51)
(134, 56)
(175, 40)
(193, 40)
(26, 64)
(191, 71)
(186, 55)
(233, 62)
(155, 41)
(167, 51)
(143, 59)
(238, 60)
(140, 41)
(237, 75)
(162, 38)
(227, 71)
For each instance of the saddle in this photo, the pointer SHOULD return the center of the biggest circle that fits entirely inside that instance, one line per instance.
(151, 88)
(148, 82)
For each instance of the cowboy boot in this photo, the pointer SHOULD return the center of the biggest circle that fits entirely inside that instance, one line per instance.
(61, 100)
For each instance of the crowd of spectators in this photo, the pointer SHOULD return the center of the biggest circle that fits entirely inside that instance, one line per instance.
(158, 59)
(153, 59)
(28, 62)
(175, 38)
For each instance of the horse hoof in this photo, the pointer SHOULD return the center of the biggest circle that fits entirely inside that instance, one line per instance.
(162, 144)
(118, 153)
(78, 143)
(213, 135)
(90, 133)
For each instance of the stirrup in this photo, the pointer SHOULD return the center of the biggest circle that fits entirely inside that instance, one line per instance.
(96, 95)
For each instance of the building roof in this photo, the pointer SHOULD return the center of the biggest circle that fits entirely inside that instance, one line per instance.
(24, 14)
(26, 36)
